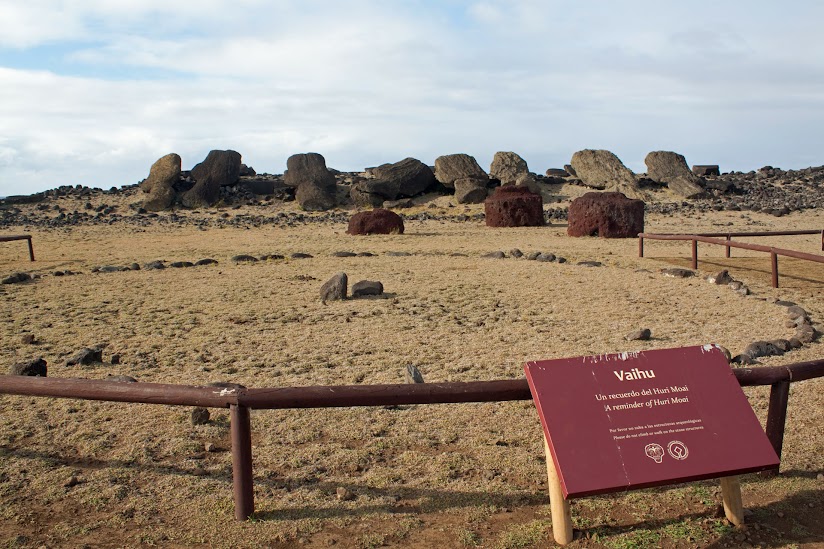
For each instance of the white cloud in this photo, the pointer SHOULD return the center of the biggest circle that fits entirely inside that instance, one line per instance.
(367, 82)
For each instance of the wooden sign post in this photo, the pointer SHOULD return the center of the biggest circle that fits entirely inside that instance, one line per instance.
(634, 420)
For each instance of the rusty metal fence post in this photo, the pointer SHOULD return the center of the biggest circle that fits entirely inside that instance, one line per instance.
(774, 263)
(243, 487)
(729, 237)
(777, 417)
(695, 253)
(640, 246)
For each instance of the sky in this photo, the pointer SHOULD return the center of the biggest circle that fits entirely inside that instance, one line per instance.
(92, 92)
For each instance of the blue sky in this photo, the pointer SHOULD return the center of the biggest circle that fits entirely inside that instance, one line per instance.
(92, 92)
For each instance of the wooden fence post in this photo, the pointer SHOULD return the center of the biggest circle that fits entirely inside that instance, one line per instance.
(694, 254)
(559, 506)
(777, 418)
(731, 497)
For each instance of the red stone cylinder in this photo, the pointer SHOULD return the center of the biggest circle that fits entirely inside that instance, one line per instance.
(512, 206)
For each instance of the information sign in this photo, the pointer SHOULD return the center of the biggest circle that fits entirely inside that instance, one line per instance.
(633, 420)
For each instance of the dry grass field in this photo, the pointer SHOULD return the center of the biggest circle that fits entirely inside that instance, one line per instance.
(95, 474)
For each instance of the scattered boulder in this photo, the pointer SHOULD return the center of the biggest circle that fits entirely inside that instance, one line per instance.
(406, 178)
(200, 415)
(163, 175)
(366, 287)
(556, 172)
(451, 167)
(706, 170)
(608, 215)
(16, 278)
(28, 339)
(334, 289)
(758, 349)
(671, 168)
(315, 184)
(218, 169)
(639, 335)
(377, 221)
(244, 258)
(507, 167)
(85, 356)
(512, 206)
(122, 379)
(601, 169)
(32, 368)
(590, 264)
(154, 265)
(363, 198)
(181, 264)
(676, 272)
(301, 255)
(206, 261)
(470, 190)
(413, 375)
(494, 255)
(722, 277)
(545, 258)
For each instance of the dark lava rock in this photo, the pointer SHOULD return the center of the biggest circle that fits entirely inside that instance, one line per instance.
(16, 278)
(33, 368)
(639, 335)
(272, 257)
(200, 415)
(344, 254)
(207, 261)
(366, 287)
(398, 254)
(758, 349)
(121, 379)
(590, 264)
(154, 265)
(85, 356)
(608, 215)
(546, 258)
(335, 288)
(243, 257)
(513, 206)
(315, 184)
(494, 255)
(677, 273)
(413, 375)
(218, 169)
(179, 264)
(300, 255)
(377, 221)
(409, 177)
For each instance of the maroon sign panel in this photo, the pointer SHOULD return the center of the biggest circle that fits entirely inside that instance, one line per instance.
(634, 420)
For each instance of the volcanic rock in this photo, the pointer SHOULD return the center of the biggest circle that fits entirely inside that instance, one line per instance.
(406, 178)
(639, 335)
(163, 175)
(218, 169)
(413, 374)
(608, 215)
(16, 278)
(514, 207)
(316, 187)
(366, 287)
(507, 167)
(334, 289)
(676, 272)
(671, 168)
(450, 167)
(33, 368)
(706, 170)
(377, 221)
(601, 169)
(200, 415)
(470, 190)
(86, 356)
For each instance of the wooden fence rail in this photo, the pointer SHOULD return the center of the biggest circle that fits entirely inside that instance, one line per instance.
(728, 243)
(241, 401)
